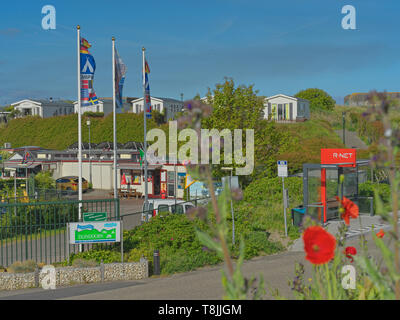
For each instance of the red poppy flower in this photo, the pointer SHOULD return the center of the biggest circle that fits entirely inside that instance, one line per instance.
(350, 252)
(380, 234)
(350, 209)
(319, 245)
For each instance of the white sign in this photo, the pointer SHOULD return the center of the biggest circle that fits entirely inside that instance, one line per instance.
(282, 168)
(94, 232)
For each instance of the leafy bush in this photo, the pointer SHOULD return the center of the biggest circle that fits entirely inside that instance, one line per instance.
(269, 190)
(107, 256)
(22, 267)
(257, 243)
(175, 238)
(318, 98)
(44, 180)
(84, 263)
(366, 189)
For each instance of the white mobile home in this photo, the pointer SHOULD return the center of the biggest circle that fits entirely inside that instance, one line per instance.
(286, 108)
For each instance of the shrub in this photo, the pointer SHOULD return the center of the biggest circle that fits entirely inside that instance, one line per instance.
(270, 190)
(22, 267)
(44, 180)
(84, 263)
(107, 256)
(257, 243)
(366, 189)
(318, 98)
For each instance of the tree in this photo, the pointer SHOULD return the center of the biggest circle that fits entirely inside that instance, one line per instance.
(239, 107)
(319, 99)
(234, 107)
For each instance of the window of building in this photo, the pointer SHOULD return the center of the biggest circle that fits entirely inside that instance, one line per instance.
(171, 183)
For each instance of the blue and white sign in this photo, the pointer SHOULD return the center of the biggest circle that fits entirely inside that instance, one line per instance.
(282, 168)
(94, 232)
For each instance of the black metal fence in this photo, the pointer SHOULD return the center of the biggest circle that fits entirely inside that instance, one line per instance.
(38, 230)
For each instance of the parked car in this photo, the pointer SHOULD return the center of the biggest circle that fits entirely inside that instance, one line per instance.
(70, 184)
(155, 206)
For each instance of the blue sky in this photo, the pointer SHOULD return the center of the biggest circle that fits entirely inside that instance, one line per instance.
(279, 46)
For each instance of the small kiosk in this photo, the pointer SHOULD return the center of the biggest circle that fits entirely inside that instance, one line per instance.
(321, 182)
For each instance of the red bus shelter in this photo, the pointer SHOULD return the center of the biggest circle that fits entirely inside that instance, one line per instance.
(321, 182)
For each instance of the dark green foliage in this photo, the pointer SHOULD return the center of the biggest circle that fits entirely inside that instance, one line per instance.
(174, 236)
(318, 98)
(107, 256)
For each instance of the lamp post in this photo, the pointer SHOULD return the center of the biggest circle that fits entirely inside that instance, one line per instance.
(230, 190)
(344, 126)
(90, 159)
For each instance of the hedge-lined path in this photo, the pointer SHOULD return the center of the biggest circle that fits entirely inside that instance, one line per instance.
(352, 139)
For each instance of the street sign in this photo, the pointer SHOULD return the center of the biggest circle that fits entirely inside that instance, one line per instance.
(282, 168)
(189, 181)
(94, 216)
(94, 232)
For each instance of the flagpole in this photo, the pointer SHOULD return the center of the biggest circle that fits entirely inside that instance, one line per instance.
(145, 133)
(79, 132)
(114, 120)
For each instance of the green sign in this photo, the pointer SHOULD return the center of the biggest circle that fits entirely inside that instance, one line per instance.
(94, 216)
(94, 232)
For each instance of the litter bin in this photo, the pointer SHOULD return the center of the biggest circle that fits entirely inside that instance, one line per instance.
(297, 215)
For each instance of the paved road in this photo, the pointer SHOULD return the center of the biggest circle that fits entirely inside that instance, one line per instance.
(203, 284)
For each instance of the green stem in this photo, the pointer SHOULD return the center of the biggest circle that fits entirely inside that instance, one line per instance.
(317, 276)
(328, 281)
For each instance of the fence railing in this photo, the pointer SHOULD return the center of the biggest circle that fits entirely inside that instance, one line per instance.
(38, 230)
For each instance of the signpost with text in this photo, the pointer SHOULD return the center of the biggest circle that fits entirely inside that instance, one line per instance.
(283, 172)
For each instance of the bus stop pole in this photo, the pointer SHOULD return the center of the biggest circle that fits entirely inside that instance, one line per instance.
(284, 203)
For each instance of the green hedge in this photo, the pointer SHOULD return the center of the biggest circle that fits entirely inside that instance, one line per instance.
(366, 189)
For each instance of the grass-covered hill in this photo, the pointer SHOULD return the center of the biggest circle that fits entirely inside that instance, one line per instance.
(62, 131)
(297, 142)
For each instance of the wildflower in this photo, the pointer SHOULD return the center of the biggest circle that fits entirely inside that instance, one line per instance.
(349, 210)
(350, 252)
(172, 239)
(380, 234)
(319, 245)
